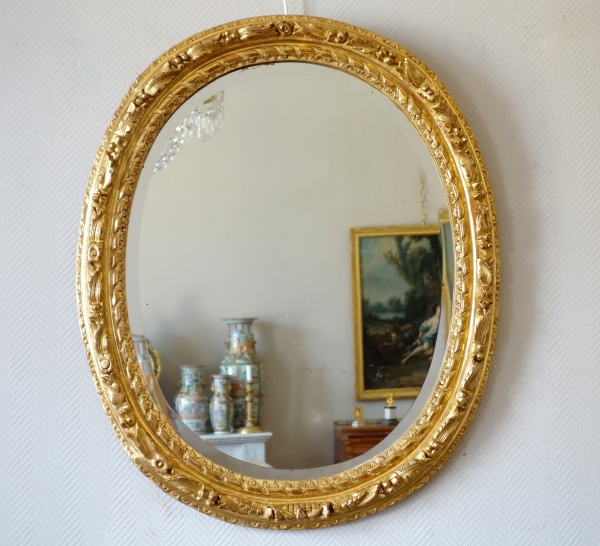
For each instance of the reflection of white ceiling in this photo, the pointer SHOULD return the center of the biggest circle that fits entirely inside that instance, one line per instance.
(256, 222)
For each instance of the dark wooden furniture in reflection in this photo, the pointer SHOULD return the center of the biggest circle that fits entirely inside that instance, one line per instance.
(352, 441)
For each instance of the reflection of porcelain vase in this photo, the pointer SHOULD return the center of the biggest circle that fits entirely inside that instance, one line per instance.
(221, 405)
(238, 354)
(190, 402)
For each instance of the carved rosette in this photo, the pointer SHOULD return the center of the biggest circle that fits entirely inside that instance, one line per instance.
(150, 442)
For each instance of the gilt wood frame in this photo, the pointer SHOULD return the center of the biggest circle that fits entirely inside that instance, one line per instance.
(151, 443)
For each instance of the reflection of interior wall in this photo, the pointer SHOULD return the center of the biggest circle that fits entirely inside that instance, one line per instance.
(256, 222)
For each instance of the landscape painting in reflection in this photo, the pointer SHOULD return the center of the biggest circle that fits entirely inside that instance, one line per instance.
(398, 289)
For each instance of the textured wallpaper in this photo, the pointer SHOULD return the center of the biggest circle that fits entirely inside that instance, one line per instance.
(526, 76)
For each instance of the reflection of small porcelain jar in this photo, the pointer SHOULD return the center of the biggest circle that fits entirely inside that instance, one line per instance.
(190, 402)
(221, 405)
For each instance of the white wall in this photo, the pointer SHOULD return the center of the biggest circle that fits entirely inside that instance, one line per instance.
(524, 73)
(256, 220)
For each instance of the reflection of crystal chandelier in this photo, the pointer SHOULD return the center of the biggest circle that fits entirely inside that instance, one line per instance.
(203, 122)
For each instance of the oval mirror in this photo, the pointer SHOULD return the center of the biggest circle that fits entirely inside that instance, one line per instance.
(288, 272)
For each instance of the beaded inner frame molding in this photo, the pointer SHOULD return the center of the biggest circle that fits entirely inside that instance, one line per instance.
(151, 443)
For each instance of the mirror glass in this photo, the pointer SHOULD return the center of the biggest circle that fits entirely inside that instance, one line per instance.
(289, 228)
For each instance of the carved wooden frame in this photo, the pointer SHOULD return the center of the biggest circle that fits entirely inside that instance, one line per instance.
(148, 439)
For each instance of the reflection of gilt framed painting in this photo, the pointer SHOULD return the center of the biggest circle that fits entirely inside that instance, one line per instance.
(397, 289)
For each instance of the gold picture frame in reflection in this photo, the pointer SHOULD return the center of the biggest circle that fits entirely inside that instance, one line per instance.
(397, 278)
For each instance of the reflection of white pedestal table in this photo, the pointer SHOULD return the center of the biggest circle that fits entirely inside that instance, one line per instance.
(246, 447)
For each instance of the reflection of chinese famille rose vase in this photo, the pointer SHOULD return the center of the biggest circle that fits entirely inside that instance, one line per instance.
(221, 405)
(239, 352)
(190, 402)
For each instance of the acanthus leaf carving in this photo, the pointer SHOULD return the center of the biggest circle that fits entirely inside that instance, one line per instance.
(409, 74)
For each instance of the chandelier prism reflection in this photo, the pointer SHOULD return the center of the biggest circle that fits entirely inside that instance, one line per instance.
(202, 123)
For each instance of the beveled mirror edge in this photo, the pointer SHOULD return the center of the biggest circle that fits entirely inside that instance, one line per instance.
(151, 444)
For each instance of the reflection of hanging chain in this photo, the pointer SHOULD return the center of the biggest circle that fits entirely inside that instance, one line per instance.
(422, 199)
(284, 8)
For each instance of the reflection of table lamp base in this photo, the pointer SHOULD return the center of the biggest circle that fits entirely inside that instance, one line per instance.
(389, 412)
(249, 427)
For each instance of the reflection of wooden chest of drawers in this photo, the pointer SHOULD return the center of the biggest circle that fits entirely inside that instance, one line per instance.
(352, 441)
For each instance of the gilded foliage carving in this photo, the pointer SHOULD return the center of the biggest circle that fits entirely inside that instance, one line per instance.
(150, 442)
